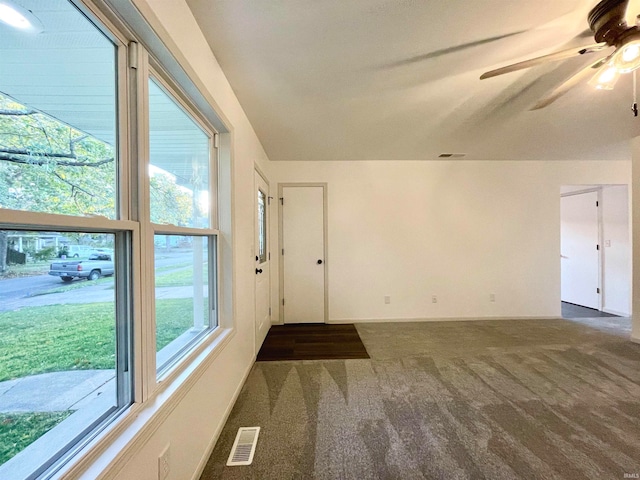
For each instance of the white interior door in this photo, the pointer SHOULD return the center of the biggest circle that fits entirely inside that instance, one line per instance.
(579, 249)
(303, 254)
(262, 282)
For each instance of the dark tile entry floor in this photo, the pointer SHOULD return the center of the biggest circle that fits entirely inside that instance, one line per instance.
(570, 310)
(315, 341)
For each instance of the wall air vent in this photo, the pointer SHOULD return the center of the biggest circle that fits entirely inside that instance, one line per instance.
(244, 447)
(452, 155)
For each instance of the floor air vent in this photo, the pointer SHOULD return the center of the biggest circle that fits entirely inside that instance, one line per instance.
(244, 447)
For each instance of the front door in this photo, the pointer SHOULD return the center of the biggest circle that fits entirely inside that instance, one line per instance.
(262, 283)
(303, 254)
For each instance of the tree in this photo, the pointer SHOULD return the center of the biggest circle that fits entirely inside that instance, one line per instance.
(51, 167)
(48, 166)
(169, 202)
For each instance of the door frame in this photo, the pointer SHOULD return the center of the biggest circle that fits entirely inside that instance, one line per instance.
(591, 189)
(258, 171)
(281, 187)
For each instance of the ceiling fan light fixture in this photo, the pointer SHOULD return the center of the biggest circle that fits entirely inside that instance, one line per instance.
(605, 78)
(20, 18)
(627, 58)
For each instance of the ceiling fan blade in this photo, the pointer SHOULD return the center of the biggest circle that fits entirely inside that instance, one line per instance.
(552, 57)
(571, 82)
(631, 13)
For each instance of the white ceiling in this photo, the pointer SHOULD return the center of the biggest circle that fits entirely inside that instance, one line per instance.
(366, 80)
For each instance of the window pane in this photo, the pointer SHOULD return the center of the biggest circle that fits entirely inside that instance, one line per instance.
(57, 115)
(58, 341)
(262, 227)
(179, 170)
(183, 306)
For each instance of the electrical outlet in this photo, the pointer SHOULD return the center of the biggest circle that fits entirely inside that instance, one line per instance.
(434, 299)
(492, 297)
(163, 464)
(387, 299)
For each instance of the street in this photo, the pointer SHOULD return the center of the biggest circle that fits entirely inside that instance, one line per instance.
(29, 291)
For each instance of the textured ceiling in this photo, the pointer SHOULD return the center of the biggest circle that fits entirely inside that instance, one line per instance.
(399, 79)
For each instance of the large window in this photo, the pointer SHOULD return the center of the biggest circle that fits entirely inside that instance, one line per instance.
(180, 179)
(65, 316)
(58, 123)
(108, 249)
(185, 298)
(62, 354)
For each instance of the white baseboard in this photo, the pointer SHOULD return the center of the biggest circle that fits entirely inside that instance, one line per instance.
(445, 319)
(225, 417)
(635, 339)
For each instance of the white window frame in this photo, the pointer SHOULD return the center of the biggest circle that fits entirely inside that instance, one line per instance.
(152, 70)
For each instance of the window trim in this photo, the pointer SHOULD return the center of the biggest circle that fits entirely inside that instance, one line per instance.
(155, 377)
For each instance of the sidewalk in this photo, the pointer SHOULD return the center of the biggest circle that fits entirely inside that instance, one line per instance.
(56, 391)
(90, 294)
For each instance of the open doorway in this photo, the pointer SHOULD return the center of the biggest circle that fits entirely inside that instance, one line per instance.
(595, 251)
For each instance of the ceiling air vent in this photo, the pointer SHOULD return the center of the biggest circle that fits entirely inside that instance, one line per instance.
(244, 447)
(451, 155)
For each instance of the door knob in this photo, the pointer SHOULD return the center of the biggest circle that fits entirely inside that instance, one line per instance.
(258, 270)
(319, 262)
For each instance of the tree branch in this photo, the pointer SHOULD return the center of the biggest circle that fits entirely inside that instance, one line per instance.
(16, 156)
(73, 141)
(17, 112)
(73, 185)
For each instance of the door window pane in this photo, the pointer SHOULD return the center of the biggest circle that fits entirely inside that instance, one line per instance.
(262, 227)
(184, 303)
(57, 114)
(179, 170)
(58, 342)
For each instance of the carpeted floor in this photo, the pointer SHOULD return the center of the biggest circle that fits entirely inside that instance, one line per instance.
(539, 399)
(314, 341)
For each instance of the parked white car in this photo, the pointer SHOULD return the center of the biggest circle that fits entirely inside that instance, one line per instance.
(76, 251)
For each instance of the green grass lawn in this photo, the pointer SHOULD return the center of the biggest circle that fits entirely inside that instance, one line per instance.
(56, 338)
(19, 430)
(173, 318)
(76, 336)
(177, 277)
(66, 337)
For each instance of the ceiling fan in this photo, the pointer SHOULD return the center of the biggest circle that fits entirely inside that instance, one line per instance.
(614, 24)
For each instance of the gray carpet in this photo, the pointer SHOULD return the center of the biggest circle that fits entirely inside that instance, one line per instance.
(541, 399)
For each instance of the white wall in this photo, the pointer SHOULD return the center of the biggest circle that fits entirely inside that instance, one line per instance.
(617, 250)
(458, 230)
(192, 424)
